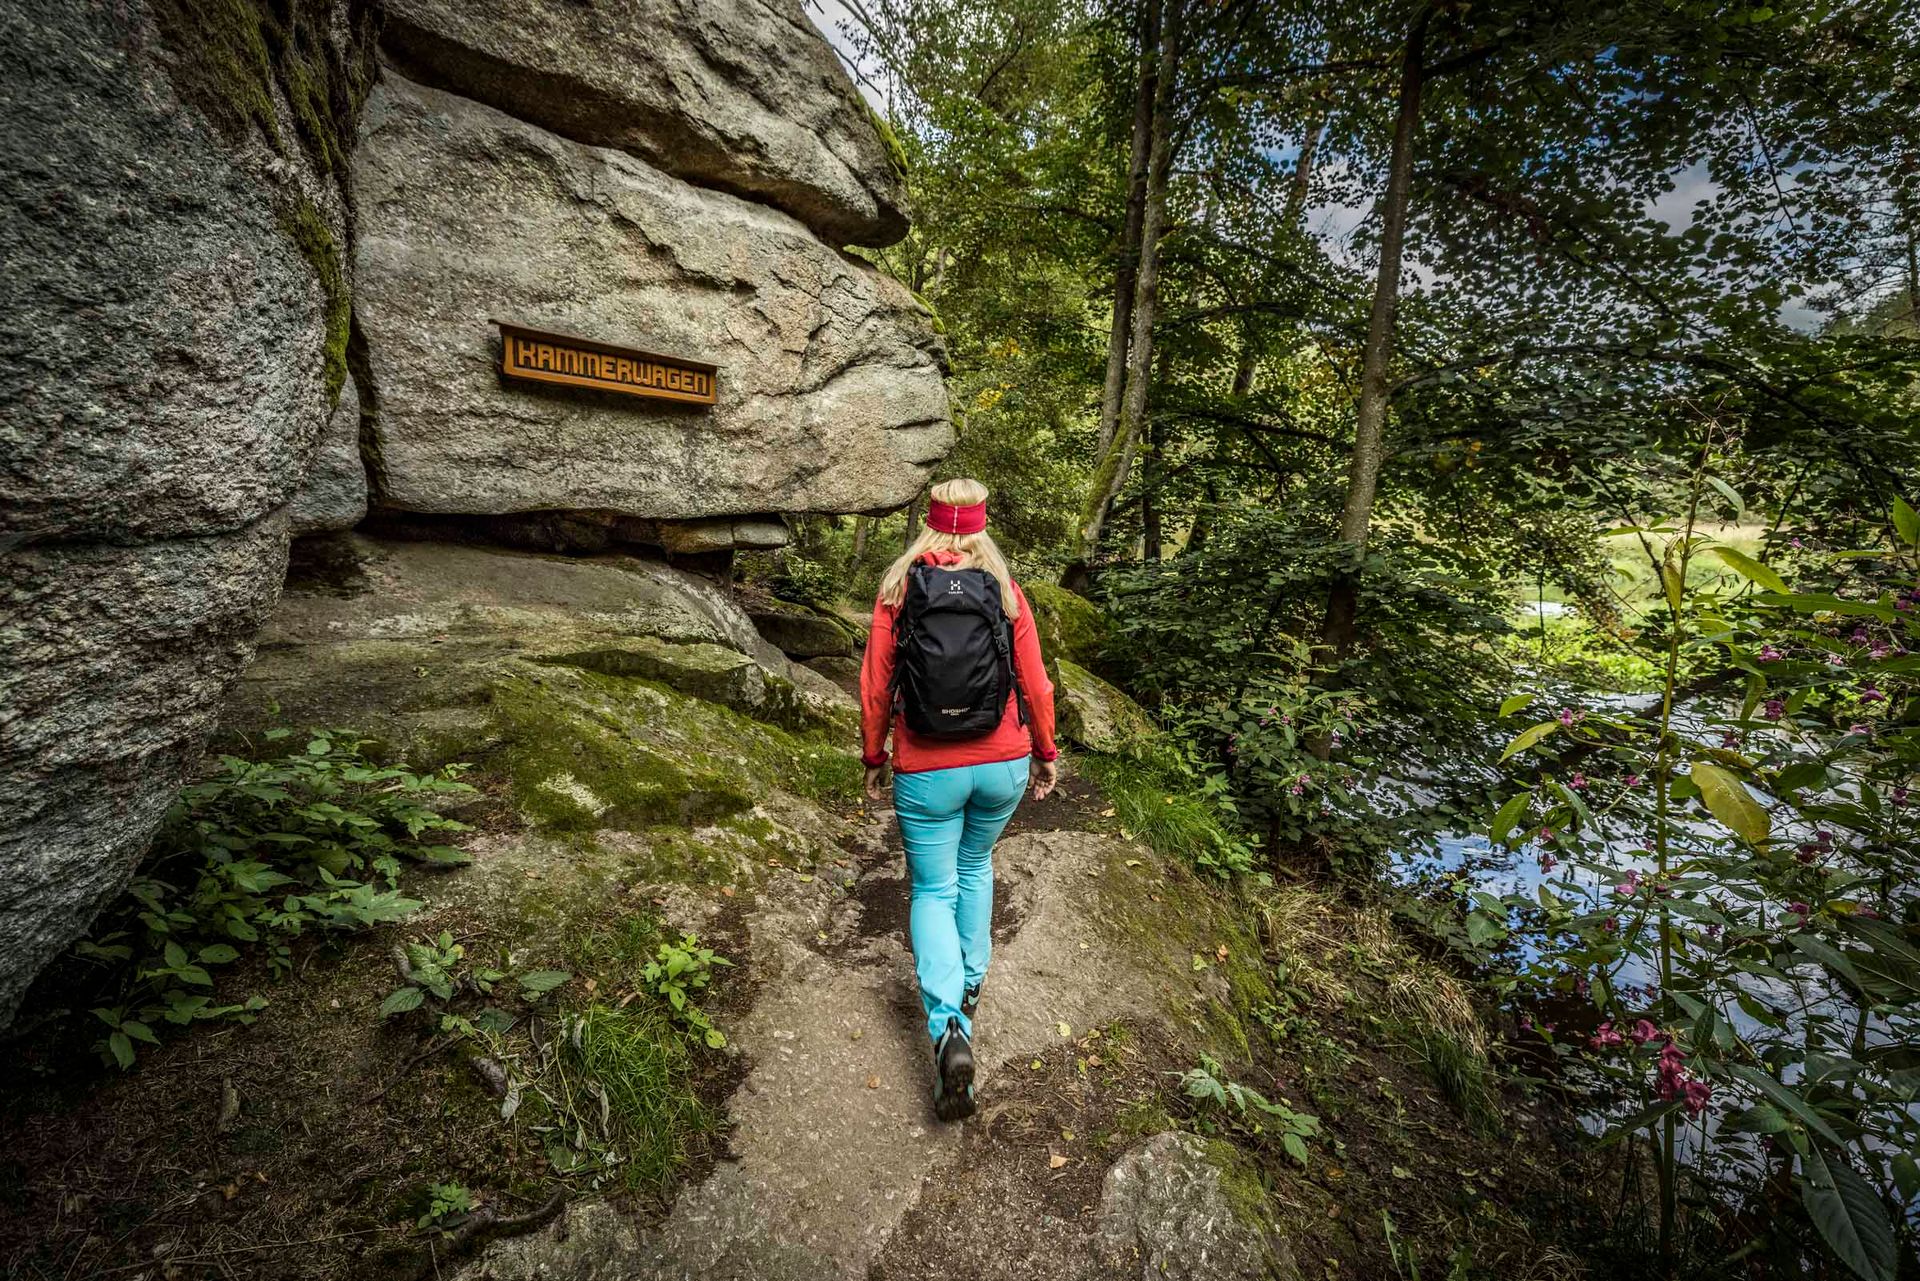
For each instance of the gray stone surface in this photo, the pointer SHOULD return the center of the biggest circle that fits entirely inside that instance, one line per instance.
(113, 661)
(426, 621)
(799, 632)
(160, 344)
(832, 1131)
(743, 95)
(830, 392)
(162, 366)
(334, 493)
(1096, 715)
(1166, 1215)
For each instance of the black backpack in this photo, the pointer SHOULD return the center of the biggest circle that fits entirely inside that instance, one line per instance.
(953, 668)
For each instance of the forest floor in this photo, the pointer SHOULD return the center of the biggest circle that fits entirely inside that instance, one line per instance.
(594, 1136)
(303, 1146)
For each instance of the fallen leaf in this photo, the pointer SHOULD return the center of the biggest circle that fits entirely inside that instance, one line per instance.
(857, 1034)
(1156, 898)
(1221, 951)
(1133, 862)
(231, 1191)
(1065, 1030)
(1107, 812)
(1036, 1065)
(726, 891)
(1067, 1135)
(805, 878)
(1093, 1060)
(1402, 1172)
(593, 984)
(873, 1083)
(1055, 1161)
(840, 862)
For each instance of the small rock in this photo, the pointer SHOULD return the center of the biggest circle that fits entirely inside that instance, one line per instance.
(1166, 1215)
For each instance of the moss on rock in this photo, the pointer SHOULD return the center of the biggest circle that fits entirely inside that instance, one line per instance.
(1071, 626)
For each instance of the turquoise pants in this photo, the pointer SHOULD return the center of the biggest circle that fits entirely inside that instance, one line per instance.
(949, 820)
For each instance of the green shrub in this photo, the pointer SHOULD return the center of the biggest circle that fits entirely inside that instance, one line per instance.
(1154, 799)
(249, 859)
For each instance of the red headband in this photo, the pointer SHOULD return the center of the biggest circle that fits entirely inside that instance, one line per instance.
(948, 519)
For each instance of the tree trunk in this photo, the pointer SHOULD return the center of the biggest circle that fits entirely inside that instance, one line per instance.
(1111, 475)
(1370, 417)
(913, 521)
(1303, 170)
(1149, 500)
(1127, 268)
(1245, 364)
(1202, 523)
(862, 527)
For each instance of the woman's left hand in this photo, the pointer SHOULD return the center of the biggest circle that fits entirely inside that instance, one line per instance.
(1043, 775)
(876, 782)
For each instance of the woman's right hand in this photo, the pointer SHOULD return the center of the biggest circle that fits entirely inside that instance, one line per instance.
(1044, 775)
(876, 783)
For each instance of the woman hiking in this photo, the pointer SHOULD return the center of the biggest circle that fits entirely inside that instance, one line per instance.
(953, 669)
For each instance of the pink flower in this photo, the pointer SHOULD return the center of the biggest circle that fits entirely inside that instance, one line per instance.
(1800, 910)
(1774, 709)
(1899, 795)
(1633, 780)
(1880, 648)
(1546, 833)
(1604, 1037)
(1859, 727)
(1871, 694)
(1568, 716)
(1768, 654)
(1629, 887)
(1795, 543)
(1579, 782)
(1730, 739)
(1834, 660)
(1526, 1022)
(1643, 1031)
(1611, 925)
(1696, 1093)
(1547, 861)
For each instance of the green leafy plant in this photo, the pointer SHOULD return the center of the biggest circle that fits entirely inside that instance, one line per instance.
(446, 1204)
(679, 970)
(253, 857)
(1245, 1108)
(1727, 882)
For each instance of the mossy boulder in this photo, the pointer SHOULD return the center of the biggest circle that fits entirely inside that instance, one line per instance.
(1071, 626)
(1176, 1206)
(800, 632)
(1097, 715)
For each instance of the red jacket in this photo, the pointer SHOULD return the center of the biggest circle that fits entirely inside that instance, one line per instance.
(913, 755)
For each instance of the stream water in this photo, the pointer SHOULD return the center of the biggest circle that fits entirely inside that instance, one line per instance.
(1470, 861)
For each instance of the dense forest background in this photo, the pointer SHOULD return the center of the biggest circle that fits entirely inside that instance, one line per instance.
(1383, 371)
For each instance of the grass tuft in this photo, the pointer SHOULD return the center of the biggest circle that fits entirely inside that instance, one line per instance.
(641, 1063)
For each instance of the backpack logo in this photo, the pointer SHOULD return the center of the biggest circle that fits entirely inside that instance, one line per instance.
(953, 587)
(955, 711)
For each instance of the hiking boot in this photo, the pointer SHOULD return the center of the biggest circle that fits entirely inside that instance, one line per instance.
(970, 1001)
(953, 1074)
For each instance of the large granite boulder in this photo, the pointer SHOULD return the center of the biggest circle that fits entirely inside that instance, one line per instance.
(173, 331)
(1176, 1208)
(1096, 715)
(334, 494)
(829, 386)
(741, 95)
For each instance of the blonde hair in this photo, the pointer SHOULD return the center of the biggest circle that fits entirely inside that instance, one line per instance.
(977, 551)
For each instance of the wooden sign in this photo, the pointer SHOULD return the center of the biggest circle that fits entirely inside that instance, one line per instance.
(539, 355)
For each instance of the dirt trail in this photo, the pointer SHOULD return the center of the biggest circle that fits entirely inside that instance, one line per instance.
(833, 1134)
